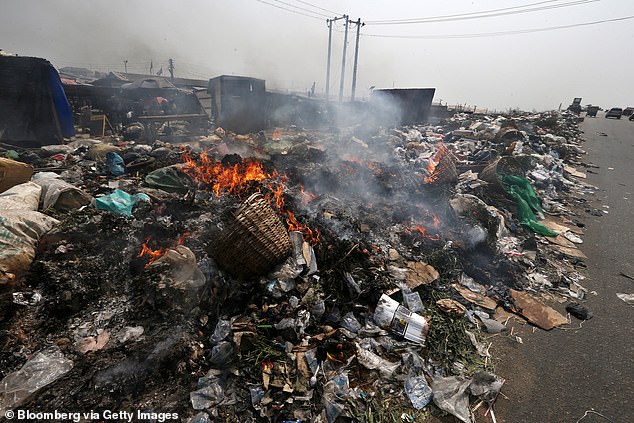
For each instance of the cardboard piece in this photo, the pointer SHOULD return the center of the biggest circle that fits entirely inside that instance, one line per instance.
(477, 299)
(13, 173)
(536, 312)
(420, 274)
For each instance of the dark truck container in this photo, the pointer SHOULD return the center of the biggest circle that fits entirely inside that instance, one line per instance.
(575, 107)
(402, 106)
(238, 103)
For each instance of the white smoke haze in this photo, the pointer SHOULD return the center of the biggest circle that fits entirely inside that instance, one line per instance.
(207, 38)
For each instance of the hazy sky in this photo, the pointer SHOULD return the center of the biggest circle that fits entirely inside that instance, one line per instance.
(206, 38)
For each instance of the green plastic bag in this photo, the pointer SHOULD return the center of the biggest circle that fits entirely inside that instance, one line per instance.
(169, 179)
(120, 202)
(527, 203)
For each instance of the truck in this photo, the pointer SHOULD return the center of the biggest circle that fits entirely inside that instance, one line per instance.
(575, 107)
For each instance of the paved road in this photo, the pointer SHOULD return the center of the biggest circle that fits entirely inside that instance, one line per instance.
(556, 376)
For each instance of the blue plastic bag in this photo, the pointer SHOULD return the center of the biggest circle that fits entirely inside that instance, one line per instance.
(120, 202)
(115, 164)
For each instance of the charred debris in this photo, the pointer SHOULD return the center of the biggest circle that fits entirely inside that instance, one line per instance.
(318, 273)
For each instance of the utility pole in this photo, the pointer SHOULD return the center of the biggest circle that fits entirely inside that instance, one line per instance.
(329, 23)
(171, 69)
(125, 65)
(356, 57)
(343, 59)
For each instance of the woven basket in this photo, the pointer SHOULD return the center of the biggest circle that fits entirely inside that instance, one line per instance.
(254, 242)
(445, 172)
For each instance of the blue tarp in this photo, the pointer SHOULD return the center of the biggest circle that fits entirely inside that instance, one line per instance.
(62, 108)
(34, 110)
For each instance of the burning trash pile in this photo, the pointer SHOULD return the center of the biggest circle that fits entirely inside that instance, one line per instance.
(294, 275)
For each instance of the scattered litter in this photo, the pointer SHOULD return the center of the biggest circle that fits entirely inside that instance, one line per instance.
(579, 311)
(628, 298)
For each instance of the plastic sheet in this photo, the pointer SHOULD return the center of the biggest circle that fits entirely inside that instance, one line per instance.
(527, 202)
(169, 179)
(418, 391)
(451, 395)
(207, 397)
(222, 330)
(120, 202)
(371, 361)
(44, 368)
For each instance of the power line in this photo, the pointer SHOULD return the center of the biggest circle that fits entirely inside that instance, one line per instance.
(496, 34)
(465, 14)
(290, 10)
(320, 8)
(300, 8)
(540, 6)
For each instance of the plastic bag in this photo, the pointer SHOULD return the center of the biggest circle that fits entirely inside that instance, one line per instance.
(207, 397)
(335, 390)
(527, 203)
(222, 354)
(371, 361)
(169, 179)
(413, 302)
(44, 368)
(486, 385)
(201, 417)
(184, 272)
(450, 395)
(418, 391)
(222, 330)
(350, 323)
(120, 202)
(115, 164)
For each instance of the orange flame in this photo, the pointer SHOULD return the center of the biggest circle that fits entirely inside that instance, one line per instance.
(239, 178)
(156, 254)
(434, 161)
(152, 254)
(310, 235)
(306, 197)
(436, 220)
(234, 179)
(422, 231)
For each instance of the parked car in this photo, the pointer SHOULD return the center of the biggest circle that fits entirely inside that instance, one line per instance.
(628, 111)
(615, 112)
(631, 117)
